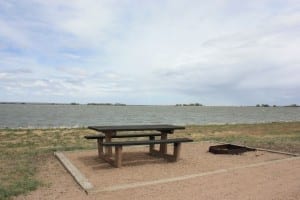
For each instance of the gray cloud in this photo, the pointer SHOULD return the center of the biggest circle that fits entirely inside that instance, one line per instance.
(223, 52)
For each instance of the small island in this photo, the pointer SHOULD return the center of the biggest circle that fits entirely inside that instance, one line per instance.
(190, 104)
(106, 104)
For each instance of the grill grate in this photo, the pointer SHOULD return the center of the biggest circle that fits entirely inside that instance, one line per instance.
(229, 149)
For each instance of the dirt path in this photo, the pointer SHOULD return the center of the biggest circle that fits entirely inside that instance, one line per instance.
(277, 180)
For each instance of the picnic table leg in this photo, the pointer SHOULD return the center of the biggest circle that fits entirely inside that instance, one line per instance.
(118, 156)
(151, 146)
(177, 149)
(108, 136)
(163, 147)
(100, 147)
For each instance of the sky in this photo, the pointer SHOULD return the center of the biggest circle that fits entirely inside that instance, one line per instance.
(217, 52)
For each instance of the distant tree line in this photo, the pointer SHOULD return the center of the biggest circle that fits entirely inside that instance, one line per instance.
(107, 104)
(293, 105)
(267, 105)
(191, 104)
(263, 105)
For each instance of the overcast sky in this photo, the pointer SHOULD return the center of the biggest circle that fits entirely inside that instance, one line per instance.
(222, 52)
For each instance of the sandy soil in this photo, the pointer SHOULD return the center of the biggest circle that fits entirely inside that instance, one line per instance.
(275, 180)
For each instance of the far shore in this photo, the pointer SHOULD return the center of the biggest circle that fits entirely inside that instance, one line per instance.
(123, 104)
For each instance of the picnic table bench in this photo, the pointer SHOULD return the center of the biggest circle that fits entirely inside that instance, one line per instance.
(105, 142)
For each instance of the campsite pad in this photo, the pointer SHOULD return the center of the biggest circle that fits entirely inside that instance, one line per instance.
(141, 169)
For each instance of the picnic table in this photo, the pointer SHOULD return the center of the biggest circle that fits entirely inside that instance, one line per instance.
(105, 142)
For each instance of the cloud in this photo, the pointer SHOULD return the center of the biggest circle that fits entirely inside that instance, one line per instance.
(216, 52)
(9, 33)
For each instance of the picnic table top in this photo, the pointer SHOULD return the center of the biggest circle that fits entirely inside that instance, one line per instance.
(157, 127)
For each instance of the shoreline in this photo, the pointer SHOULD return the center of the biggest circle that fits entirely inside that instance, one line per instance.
(85, 127)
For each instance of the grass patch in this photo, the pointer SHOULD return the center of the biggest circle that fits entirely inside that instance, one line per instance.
(18, 170)
(22, 150)
(276, 136)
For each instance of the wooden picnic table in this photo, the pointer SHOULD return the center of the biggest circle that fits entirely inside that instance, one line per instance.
(110, 131)
(161, 130)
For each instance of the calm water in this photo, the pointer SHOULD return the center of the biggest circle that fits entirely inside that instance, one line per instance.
(14, 116)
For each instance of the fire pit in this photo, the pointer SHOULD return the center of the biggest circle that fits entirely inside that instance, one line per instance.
(229, 149)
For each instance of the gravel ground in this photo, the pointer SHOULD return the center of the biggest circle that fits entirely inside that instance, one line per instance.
(273, 180)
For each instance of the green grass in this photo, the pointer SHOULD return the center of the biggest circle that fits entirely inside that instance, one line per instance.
(18, 172)
(24, 150)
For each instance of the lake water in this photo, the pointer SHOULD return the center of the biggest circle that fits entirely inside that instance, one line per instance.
(43, 116)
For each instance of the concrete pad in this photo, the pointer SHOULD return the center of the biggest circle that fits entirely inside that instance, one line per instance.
(140, 169)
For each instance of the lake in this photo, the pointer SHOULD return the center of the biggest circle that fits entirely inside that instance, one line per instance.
(45, 116)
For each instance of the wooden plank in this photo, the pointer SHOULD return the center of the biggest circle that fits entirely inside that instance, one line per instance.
(123, 135)
(146, 142)
(92, 137)
(158, 127)
(137, 135)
